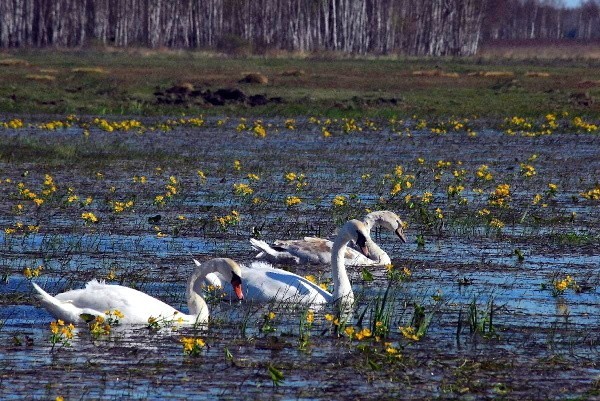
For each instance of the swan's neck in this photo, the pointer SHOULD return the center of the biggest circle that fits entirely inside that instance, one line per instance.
(377, 254)
(196, 304)
(342, 289)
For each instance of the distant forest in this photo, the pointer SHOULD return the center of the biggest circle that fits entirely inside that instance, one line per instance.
(406, 27)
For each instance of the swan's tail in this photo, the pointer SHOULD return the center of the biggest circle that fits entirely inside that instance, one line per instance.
(43, 296)
(263, 248)
(267, 252)
(51, 304)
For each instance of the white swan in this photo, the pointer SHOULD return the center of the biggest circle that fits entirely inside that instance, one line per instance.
(318, 250)
(265, 283)
(97, 298)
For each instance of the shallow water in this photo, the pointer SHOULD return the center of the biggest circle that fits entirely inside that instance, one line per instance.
(463, 263)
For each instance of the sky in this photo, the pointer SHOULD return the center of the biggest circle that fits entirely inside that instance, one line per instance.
(572, 3)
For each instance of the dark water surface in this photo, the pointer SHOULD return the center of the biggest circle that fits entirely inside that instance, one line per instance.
(544, 344)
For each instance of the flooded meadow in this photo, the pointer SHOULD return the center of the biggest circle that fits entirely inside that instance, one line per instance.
(495, 295)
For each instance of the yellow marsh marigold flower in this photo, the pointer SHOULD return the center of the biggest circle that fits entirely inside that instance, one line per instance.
(339, 201)
(364, 333)
(292, 201)
(496, 223)
(483, 212)
(242, 189)
(483, 173)
(89, 217)
(410, 333)
(527, 170)
(349, 331)
(310, 316)
(192, 345)
(291, 176)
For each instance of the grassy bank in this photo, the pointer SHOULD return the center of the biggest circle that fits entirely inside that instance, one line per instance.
(120, 82)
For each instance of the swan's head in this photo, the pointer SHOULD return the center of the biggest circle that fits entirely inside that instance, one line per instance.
(232, 272)
(356, 231)
(388, 220)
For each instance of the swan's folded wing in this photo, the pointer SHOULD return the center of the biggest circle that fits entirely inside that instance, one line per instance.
(309, 249)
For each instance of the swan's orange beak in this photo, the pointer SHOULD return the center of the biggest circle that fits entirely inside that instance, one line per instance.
(236, 283)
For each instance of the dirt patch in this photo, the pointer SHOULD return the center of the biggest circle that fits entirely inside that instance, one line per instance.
(188, 94)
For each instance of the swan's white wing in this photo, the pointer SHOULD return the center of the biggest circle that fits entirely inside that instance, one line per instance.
(97, 298)
(264, 283)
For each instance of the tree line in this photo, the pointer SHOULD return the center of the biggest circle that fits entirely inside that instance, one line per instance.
(407, 27)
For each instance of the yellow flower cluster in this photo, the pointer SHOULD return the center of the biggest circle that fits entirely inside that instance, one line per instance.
(54, 125)
(527, 170)
(483, 173)
(592, 194)
(30, 273)
(561, 286)
(120, 207)
(291, 201)
(313, 280)
(110, 126)
(299, 180)
(259, 129)
(15, 123)
(242, 189)
(190, 122)
(99, 327)
(89, 217)
(410, 333)
(501, 196)
(140, 179)
(192, 346)
(290, 124)
(228, 220)
(20, 228)
(310, 316)
(359, 335)
(48, 189)
(427, 197)
(400, 180)
(581, 125)
(171, 189)
(60, 331)
(339, 201)
(331, 318)
(455, 190)
(496, 223)
(350, 125)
